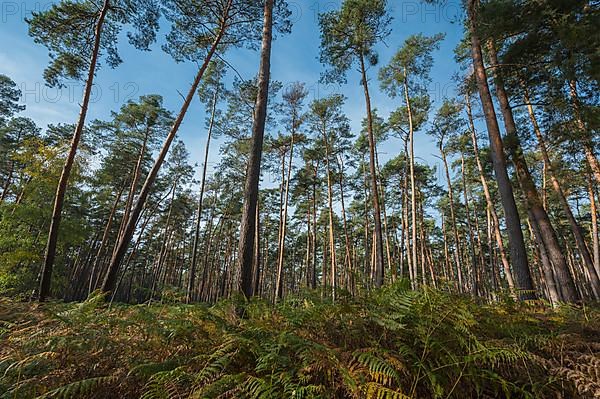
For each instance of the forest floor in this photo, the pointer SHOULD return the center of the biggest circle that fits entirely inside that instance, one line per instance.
(391, 343)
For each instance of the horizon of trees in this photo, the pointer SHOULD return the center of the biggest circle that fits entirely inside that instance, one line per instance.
(514, 212)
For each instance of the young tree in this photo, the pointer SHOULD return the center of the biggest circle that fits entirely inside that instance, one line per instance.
(407, 74)
(327, 119)
(211, 92)
(348, 37)
(130, 138)
(77, 33)
(9, 99)
(447, 123)
(12, 137)
(293, 103)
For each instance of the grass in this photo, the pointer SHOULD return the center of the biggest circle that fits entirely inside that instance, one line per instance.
(391, 343)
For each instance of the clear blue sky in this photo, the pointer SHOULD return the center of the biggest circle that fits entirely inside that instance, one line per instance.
(295, 58)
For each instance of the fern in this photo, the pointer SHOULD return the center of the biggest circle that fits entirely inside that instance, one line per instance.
(388, 343)
(77, 389)
(376, 391)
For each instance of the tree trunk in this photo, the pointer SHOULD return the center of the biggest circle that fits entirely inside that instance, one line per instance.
(521, 270)
(192, 276)
(286, 196)
(587, 143)
(247, 228)
(547, 269)
(575, 228)
(133, 188)
(594, 221)
(548, 234)
(475, 269)
(113, 269)
(488, 198)
(413, 195)
(457, 250)
(104, 240)
(257, 257)
(313, 270)
(374, 186)
(348, 257)
(332, 252)
(59, 198)
(385, 223)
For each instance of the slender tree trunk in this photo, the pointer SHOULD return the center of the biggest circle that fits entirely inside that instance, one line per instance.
(488, 198)
(286, 197)
(374, 186)
(348, 257)
(313, 276)
(587, 143)
(409, 244)
(594, 221)
(104, 240)
(548, 234)
(449, 270)
(547, 269)
(247, 228)
(257, 253)
(192, 276)
(413, 195)
(518, 257)
(474, 267)
(575, 228)
(113, 269)
(308, 248)
(332, 253)
(133, 187)
(59, 198)
(385, 224)
(457, 250)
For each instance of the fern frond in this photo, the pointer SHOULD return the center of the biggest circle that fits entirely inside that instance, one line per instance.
(78, 389)
(377, 391)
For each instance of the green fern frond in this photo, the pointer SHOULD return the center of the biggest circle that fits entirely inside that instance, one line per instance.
(380, 370)
(78, 389)
(376, 391)
(149, 369)
(29, 361)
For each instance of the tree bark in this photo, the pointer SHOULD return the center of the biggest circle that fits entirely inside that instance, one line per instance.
(348, 257)
(521, 271)
(457, 250)
(113, 269)
(286, 196)
(475, 269)
(192, 276)
(488, 199)
(333, 257)
(547, 269)
(575, 228)
(413, 195)
(63, 181)
(594, 221)
(247, 228)
(374, 186)
(104, 240)
(547, 232)
(588, 145)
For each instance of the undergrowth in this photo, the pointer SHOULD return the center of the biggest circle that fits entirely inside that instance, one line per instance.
(393, 343)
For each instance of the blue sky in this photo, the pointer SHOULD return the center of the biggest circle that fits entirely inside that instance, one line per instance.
(295, 58)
